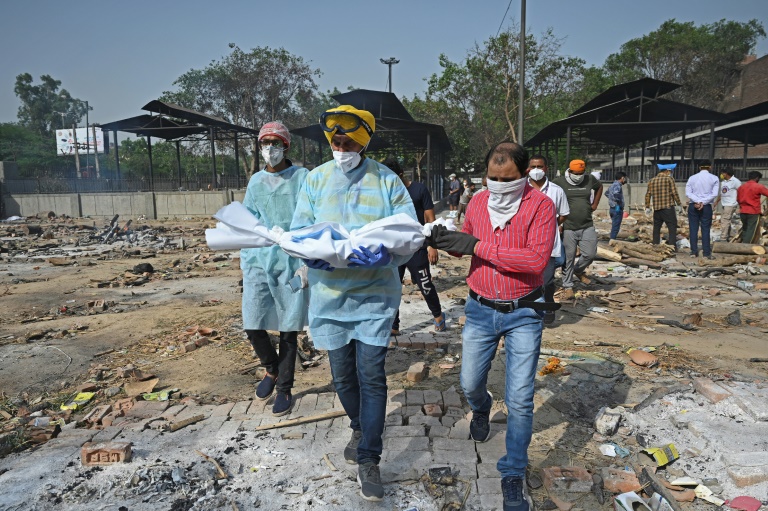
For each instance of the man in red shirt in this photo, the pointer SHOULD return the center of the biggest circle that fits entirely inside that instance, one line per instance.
(748, 197)
(509, 231)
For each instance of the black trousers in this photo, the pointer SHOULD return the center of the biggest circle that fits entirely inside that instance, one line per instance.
(749, 226)
(665, 216)
(283, 364)
(418, 267)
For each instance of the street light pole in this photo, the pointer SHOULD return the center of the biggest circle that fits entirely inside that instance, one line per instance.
(87, 140)
(390, 62)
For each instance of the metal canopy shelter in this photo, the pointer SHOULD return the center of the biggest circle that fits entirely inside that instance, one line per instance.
(396, 131)
(630, 114)
(178, 123)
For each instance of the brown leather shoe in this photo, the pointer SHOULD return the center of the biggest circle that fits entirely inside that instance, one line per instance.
(583, 278)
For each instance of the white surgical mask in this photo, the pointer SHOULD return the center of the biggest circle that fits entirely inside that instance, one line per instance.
(504, 201)
(574, 179)
(347, 160)
(537, 174)
(272, 155)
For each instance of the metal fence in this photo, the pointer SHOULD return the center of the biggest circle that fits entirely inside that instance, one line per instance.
(43, 185)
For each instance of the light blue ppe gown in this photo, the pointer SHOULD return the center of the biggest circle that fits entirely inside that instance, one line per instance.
(353, 303)
(268, 301)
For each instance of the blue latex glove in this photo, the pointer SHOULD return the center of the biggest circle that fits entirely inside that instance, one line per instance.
(364, 258)
(618, 208)
(318, 264)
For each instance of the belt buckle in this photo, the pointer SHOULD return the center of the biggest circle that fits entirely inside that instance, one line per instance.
(505, 307)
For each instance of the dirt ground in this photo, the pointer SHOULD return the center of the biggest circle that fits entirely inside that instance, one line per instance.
(196, 287)
(55, 335)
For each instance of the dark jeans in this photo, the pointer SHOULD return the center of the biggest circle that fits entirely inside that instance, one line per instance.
(665, 216)
(700, 217)
(418, 267)
(748, 227)
(361, 384)
(616, 218)
(282, 364)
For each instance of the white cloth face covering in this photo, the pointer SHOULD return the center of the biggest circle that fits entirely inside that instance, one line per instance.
(504, 200)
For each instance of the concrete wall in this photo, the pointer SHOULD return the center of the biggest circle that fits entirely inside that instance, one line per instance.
(190, 204)
(128, 205)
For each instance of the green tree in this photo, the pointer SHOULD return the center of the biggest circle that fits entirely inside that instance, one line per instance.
(704, 59)
(249, 89)
(480, 93)
(44, 106)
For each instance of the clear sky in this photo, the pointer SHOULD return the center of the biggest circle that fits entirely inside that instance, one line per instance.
(120, 55)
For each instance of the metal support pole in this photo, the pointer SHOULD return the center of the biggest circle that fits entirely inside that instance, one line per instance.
(429, 161)
(746, 142)
(96, 152)
(658, 148)
(521, 79)
(117, 156)
(613, 162)
(212, 134)
(682, 151)
(712, 145)
(151, 169)
(237, 161)
(557, 156)
(178, 160)
(568, 146)
(626, 160)
(77, 150)
(642, 162)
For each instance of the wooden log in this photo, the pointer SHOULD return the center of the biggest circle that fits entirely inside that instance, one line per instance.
(721, 247)
(657, 258)
(644, 248)
(633, 261)
(729, 260)
(608, 255)
(303, 420)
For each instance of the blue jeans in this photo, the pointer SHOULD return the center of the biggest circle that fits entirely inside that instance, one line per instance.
(616, 217)
(361, 384)
(700, 217)
(521, 329)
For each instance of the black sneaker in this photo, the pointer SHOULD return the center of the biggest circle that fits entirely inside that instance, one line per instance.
(549, 317)
(515, 494)
(710, 257)
(265, 387)
(369, 479)
(350, 451)
(282, 404)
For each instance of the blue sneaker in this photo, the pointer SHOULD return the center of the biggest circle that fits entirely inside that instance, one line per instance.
(515, 494)
(265, 387)
(282, 404)
(480, 425)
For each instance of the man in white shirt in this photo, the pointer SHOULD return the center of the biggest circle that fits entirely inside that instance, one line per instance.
(727, 198)
(537, 177)
(701, 190)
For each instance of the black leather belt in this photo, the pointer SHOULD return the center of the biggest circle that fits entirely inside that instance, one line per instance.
(527, 301)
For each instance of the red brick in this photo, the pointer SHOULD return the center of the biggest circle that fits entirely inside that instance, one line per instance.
(188, 346)
(99, 413)
(433, 410)
(567, 479)
(620, 481)
(105, 453)
(202, 341)
(417, 372)
(417, 345)
(711, 390)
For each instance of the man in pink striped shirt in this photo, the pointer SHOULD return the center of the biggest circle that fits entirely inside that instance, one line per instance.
(509, 231)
